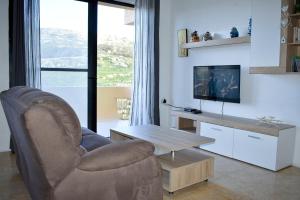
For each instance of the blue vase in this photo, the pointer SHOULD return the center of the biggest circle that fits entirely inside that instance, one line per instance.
(234, 32)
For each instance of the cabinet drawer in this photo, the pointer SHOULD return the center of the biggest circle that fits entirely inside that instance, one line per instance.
(223, 139)
(255, 148)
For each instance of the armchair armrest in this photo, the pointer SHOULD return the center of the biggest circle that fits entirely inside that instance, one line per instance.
(117, 155)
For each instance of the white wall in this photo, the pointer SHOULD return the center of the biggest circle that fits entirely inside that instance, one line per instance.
(166, 31)
(261, 95)
(4, 71)
(265, 31)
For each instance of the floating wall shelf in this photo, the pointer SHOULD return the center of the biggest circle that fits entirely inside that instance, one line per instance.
(267, 70)
(297, 15)
(294, 44)
(220, 42)
(270, 70)
(288, 50)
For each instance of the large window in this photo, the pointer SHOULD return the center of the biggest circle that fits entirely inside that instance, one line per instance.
(64, 26)
(64, 56)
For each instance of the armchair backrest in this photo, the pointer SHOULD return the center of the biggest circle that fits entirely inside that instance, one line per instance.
(47, 135)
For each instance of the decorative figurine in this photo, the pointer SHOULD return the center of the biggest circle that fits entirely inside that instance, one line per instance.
(250, 26)
(283, 40)
(285, 21)
(234, 32)
(271, 121)
(207, 36)
(195, 37)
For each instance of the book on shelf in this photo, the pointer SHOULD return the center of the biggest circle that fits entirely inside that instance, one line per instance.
(296, 64)
(296, 35)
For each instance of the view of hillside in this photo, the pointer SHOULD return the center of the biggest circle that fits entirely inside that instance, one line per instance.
(66, 49)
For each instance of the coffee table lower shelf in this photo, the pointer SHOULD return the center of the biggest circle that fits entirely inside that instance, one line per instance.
(187, 168)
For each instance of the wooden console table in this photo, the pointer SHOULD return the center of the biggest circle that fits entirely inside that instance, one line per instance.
(248, 140)
(188, 122)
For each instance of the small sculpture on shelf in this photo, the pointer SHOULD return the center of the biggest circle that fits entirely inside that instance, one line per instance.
(270, 121)
(195, 37)
(207, 36)
(285, 21)
(234, 32)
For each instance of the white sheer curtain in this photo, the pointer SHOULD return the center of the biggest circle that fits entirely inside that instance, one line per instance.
(32, 43)
(145, 98)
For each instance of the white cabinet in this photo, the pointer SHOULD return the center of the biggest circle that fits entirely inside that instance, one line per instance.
(259, 149)
(255, 148)
(223, 139)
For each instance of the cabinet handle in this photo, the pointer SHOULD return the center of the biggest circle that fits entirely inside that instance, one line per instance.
(254, 137)
(216, 129)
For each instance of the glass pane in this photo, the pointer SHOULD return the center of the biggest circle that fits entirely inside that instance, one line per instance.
(114, 67)
(64, 26)
(115, 46)
(71, 86)
(64, 34)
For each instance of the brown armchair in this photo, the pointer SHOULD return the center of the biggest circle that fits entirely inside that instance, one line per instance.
(59, 160)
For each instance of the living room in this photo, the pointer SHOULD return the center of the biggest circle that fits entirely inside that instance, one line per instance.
(216, 161)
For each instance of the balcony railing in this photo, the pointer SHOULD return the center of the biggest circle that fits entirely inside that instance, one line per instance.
(113, 104)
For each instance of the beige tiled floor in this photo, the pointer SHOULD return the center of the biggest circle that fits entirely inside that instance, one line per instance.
(233, 180)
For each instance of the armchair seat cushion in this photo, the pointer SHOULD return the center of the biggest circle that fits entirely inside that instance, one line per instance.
(116, 155)
(91, 140)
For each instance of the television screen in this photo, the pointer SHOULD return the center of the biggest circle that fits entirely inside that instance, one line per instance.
(217, 83)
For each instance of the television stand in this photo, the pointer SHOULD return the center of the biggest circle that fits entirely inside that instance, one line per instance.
(248, 140)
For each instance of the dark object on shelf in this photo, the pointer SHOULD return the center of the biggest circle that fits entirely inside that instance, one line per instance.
(297, 6)
(195, 37)
(207, 36)
(250, 26)
(192, 110)
(234, 32)
(197, 112)
(189, 109)
(296, 64)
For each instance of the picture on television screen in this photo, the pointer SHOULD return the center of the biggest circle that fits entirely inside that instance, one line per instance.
(218, 83)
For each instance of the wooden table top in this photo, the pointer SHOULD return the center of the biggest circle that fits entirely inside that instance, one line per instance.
(170, 139)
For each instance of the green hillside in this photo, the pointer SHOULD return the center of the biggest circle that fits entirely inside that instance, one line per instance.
(66, 49)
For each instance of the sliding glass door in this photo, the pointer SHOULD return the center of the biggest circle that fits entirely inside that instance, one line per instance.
(93, 77)
(114, 66)
(64, 52)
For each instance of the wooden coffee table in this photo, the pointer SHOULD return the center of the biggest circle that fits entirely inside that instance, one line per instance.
(182, 166)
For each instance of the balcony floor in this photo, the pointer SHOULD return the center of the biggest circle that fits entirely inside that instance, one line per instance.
(103, 127)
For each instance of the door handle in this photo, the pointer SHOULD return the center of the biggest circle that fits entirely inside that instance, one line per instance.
(216, 129)
(254, 137)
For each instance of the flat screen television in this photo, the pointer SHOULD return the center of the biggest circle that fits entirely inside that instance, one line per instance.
(217, 83)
